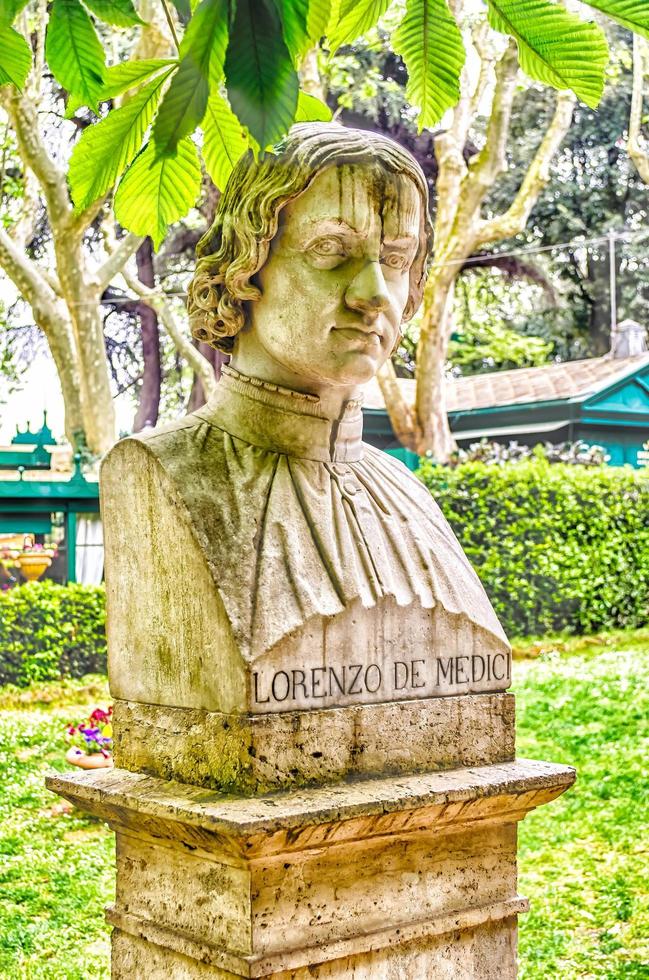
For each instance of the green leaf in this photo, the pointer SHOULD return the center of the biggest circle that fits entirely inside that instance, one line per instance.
(128, 74)
(73, 51)
(184, 9)
(106, 149)
(15, 58)
(318, 18)
(356, 17)
(157, 190)
(202, 54)
(72, 106)
(261, 81)
(223, 140)
(9, 10)
(294, 14)
(554, 46)
(633, 14)
(182, 108)
(430, 43)
(206, 37)
(121, 13)
(310, 109)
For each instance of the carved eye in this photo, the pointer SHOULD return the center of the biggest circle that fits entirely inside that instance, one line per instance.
(327, 247)
(395, 260)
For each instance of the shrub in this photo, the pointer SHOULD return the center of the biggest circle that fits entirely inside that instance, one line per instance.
(579, 453)
(49, 631)
(558, 547)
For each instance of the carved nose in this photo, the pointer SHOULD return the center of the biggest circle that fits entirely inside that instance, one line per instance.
(368, 292)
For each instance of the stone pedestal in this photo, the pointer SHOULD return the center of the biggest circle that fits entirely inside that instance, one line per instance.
(314, 743)
(399, 877)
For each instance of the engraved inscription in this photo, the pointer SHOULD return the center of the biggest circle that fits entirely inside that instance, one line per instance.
(397, 680)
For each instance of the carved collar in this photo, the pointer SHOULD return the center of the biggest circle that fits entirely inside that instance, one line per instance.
(284, 421)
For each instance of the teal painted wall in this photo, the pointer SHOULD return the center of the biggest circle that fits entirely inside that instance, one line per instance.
(617, 419)
(621, 446)
(406, 456)
(629, 397)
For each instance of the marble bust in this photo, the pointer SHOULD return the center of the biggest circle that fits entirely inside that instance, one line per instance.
(263, 558)
(314, 748)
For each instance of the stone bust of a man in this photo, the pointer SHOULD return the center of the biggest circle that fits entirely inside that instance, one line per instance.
(263, 558)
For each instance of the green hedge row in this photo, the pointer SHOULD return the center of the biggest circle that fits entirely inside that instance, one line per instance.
(558, 547)
(49, 631)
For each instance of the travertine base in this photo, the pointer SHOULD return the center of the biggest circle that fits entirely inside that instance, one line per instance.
(487, 952)
(399, 877)
(257, 753)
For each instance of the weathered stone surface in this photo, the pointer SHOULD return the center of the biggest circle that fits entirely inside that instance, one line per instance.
(172, 641)
(327, 555)
(288, 608)
(325, 573)
(256, 753)
(279, 818)
(461, 951)
(334, 877)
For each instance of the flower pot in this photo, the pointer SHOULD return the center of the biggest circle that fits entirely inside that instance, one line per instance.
(95, 761)
(33, 565)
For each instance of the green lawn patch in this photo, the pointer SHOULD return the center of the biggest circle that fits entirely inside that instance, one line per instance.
(584, 859)
(56, 869)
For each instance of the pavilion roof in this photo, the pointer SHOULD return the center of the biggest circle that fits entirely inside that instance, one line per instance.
(568, 380)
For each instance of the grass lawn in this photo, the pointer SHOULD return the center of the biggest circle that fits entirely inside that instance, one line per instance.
(584, 860)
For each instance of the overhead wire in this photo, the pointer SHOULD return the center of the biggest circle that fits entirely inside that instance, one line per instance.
(574, 244)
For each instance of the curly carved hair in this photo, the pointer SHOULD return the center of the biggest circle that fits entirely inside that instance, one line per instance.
(236, 247)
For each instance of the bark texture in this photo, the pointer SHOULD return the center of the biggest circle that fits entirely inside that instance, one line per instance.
(460, 230)
(217, 359)
(637, 151)
(65, 287)
(149, 403)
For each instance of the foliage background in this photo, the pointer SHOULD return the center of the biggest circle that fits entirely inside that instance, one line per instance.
(558, 547)
(49, 631)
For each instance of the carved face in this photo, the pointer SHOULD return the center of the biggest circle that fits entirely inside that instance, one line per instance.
(336, 282)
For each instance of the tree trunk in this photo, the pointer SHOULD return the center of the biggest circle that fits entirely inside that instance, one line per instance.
(96, 396)
(401, 414)
(433, 431)
(599, 321)
(217, 359)
(82, 297)
(462, 188)
(65, 361)
(149, 401)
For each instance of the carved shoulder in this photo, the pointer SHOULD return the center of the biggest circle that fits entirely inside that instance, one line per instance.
(169, 639)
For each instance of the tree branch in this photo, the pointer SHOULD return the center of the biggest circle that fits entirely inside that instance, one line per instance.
(23, 115)
(25, 274)
(183, 344)
(492, 160)
(35, 79)
(117, 259)
(402, 416)
(51, 315)
(639, 155)
(482, 42)
(515, 268)
(23, 230)
(513, 221)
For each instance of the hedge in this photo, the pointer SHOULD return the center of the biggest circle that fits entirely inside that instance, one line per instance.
(49, 631)
(559, 548)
